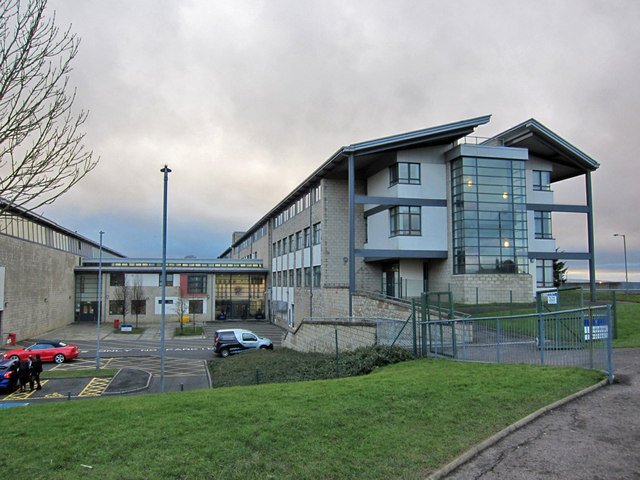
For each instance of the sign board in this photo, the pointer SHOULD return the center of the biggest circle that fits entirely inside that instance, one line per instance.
(552, 298)
(126, 328)
(600, 329)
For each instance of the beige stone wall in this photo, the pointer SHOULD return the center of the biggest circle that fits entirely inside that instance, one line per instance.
(492, 288)
(39, 287)
(321, 337)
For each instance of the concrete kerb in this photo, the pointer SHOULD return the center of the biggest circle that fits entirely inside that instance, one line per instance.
(468, 455)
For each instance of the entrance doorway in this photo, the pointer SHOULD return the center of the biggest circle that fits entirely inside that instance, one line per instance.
(239, 310)
(88, 311)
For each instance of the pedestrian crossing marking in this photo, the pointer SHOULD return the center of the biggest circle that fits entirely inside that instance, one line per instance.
(95, 387)
(18, 395)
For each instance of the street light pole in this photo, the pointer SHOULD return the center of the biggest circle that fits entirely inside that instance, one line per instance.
(626, 270)
(99, 305)
(166, 171)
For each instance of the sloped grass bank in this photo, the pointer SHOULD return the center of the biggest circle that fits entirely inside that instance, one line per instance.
(402, 421)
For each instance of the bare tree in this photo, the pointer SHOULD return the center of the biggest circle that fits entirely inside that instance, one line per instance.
(41, 151)
(182, 309)
(137, 298)
(123, 293)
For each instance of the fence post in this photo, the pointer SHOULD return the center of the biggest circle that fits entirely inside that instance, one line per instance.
(541, 329)
(415, 330)
(511, 302)
(590, 338)
(498, 340)
(609, 345)
(614, 309)
(337, 355)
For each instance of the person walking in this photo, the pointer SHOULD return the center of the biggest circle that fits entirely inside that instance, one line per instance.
(23, 375)
(36, 370)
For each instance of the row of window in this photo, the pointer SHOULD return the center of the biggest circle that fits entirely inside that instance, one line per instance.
(195, 283)
(139, 307)
(298, 241)
(294, 277)
(255, 236)
(304, 202)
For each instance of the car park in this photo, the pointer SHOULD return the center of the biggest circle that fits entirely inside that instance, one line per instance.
(8, 375)
(49, 351)
(238, 340)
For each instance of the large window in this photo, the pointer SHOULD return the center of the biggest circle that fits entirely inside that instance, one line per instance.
(316, 276)
(405, 221)
(542, 224)
(197, 284)
(169, 279)
(139, 307)
(116, 307)
(299, 240)
(541, 180)
(307, 276)
(196, 306)
(402, 172)
(116, 279)
(317, 234)
(489, 215)
(307, 237)
(544, 273)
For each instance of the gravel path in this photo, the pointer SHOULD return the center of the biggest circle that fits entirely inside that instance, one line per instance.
(596, 436)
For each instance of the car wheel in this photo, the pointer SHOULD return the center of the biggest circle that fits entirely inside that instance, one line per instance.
(59, 358)
(224, 353)
(14, 357)
(263, 347)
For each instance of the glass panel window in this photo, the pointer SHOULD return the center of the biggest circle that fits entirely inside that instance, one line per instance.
(299, 240)
(116, 307)
(541, 180)
(316, 276)
(196, 306)
(197, 284)
(298, 277)
(307, 237)
(307, 276)
(169, 279)
(292, 243)
(542, 224)
(139, 307)
(317, 234)
(405, 221)
(404, 173)
(291, 278)
(544, 273)
(116, 279)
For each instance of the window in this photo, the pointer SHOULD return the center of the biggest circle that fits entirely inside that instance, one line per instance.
(196, 306)
(291, 278)
(116, 307)
(279, 248)
(284, 279)
(405, 221)
(406, 173)
(292, 244)
(298, 240)
(284, 246)
(274, 250)
(307, 237)
(298, 277)
(139, 307)
(116, 279)
(541, 180)
(197, 284)
(542, 224)
(316, 276)
(307, 276)
(317, 234)
(544, 273)
(169, 280)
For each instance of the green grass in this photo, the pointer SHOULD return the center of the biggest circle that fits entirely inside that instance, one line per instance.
(628, 325)
(402, 421)
(187, 331)
(104, 372)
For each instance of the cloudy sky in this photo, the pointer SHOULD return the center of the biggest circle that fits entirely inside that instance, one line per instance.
(244, 99)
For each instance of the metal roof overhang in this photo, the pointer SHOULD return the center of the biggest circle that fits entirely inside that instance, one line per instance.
(337, 162)
(542, 142)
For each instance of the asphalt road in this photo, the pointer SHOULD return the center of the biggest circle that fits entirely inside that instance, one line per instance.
(596, 436)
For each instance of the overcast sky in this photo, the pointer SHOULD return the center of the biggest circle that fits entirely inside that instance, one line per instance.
(244, 99)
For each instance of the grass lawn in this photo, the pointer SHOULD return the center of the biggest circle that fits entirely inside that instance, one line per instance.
(187, 331)
(104, 372)
(628, 325)
(402, 421)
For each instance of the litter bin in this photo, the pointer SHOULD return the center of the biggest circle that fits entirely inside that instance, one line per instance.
(116, 323)
(11, 339)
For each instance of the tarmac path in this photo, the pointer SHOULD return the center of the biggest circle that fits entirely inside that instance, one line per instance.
(596, 436)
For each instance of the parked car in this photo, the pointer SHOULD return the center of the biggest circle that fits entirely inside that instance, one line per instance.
(238, 340)
(49, 351)
(8, 375)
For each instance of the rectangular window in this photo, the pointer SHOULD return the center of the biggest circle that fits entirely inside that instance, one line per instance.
(298, 277)
(292, 244)
(139, 307)
(284, 246)
(196, 306)
(284, 279)
(541, 180)
(316, 276)
(169, 280)
(544, 273)
(404, 173)
(116, 307)
(317, 234)
(291, 278)
(299, 240)
(279, 247)
(116, 279)
(307, 237)
(274, 250)
(405, 221)
(197, 284)
(307, 276)
(542, 224)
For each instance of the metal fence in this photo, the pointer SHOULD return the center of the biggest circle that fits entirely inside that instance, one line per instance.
(577, 338)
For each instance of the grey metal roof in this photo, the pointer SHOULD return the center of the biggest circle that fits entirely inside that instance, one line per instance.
(428, 136)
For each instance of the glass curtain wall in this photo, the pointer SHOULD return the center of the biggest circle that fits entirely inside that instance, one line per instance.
(489, 216)
(240, 295)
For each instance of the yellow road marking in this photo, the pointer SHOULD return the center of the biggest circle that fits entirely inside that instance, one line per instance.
(95, 387)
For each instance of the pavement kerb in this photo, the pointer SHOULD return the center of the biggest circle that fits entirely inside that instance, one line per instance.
(469, 454)
(131, 390)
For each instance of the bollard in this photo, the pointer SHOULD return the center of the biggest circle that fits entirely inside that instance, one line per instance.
(182, 387)
(68, 395)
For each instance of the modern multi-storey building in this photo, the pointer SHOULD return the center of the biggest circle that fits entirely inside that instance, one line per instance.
(430, 210)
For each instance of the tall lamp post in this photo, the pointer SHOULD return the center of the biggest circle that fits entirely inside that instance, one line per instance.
(166, 172)
(99, 305)
(626, 270)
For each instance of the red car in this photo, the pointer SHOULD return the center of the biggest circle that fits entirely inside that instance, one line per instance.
(49, 352)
